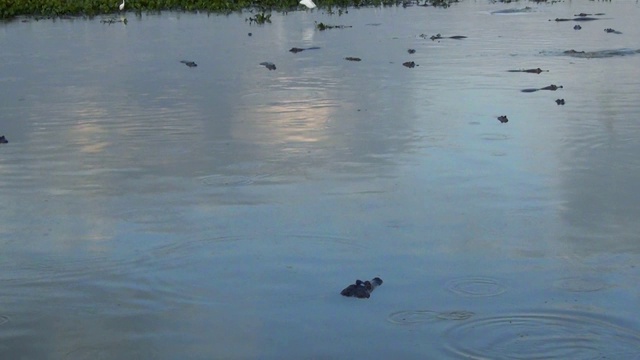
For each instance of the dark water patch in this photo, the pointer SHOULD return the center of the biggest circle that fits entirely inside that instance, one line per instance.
(581, 284)
(543, 335)
(475, 286)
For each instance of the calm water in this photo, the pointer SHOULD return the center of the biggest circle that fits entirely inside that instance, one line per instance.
(156, 211)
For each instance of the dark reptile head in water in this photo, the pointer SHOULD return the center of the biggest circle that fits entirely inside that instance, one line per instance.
(551, 87)
(361, 290)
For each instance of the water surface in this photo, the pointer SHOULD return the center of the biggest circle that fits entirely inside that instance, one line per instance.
(158, 211)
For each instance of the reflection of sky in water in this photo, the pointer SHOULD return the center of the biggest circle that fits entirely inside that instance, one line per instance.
(185, 203)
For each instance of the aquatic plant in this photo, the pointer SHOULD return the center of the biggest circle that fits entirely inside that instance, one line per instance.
(259, 18)
(10, 9)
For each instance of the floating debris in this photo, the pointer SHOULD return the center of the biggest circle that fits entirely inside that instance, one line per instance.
(560, 101)
(532, 71)
(409, 64)
(268, 65)
(350, 58)
(611, 31)
(361, 289)
(577, 27)
(503, 119)
(411, 51)
(3, 140)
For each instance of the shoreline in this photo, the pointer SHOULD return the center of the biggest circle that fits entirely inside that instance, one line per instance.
(63, 9)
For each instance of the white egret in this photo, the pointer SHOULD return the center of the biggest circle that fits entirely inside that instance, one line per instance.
(308, 3)
(122, 6)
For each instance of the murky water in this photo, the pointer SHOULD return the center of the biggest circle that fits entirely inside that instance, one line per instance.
(153, 210)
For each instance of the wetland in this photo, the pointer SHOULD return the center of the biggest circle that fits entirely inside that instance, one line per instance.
(197, 186)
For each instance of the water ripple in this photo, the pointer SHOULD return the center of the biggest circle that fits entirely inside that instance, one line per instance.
(475, 287)
(581, 284)
(412, 317)
(542, 335)
(456, 315)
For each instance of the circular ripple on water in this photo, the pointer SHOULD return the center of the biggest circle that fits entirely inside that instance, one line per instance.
(543, 335)
(4, 319)
(409, 317)
(580, 284)
(475, 287)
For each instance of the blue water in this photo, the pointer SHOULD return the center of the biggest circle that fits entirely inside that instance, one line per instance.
(157, 211)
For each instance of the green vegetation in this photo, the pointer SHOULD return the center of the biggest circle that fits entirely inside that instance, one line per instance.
(260, 18)
(10, 9)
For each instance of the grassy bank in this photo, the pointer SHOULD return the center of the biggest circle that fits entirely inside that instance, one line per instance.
(10, 9)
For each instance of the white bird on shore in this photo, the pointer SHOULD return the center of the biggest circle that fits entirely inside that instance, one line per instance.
(122, 6)
(308, 3)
